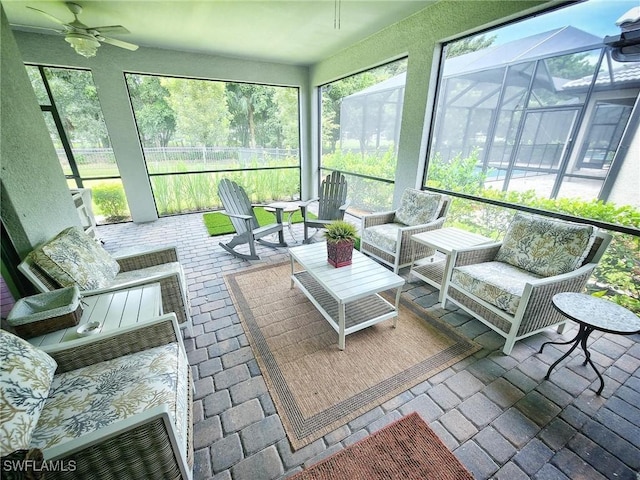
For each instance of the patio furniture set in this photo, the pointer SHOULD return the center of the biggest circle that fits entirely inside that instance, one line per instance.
(137, 302)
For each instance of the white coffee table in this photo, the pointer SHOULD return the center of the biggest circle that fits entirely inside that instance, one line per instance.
(113, 310)
(444, 241)
(347, 297)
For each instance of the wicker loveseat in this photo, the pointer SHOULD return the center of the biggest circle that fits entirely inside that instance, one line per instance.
(509, 285)
(73, 258)
(112, 406)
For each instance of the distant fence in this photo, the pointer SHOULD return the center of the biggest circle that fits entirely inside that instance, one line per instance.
(157, 155)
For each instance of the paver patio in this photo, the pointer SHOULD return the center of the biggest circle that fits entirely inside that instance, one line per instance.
(495, 412)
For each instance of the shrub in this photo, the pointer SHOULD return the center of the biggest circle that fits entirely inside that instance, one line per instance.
(111, 201)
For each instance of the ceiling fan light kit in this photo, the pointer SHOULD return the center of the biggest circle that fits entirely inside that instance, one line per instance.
(85, 45)
(83, 39)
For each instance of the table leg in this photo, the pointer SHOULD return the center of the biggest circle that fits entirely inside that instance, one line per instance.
(395, 319)
(341, 325)
(581, 338)
(576, 340)
(588, 360)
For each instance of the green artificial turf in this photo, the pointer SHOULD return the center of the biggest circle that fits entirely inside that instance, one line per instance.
(219, 224)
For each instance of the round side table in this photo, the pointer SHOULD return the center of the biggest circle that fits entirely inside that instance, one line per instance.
(591, 313)
(287, 207)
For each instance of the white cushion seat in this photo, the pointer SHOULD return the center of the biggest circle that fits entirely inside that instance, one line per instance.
(385, 236)
(498, 283)
(92, 397)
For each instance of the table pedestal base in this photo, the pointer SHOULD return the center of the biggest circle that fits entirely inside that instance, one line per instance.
(581, 338)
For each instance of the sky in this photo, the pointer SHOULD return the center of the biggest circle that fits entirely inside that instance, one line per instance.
(597, 17)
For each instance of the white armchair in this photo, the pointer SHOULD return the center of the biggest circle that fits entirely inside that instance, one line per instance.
(386, 236)
(508, 285)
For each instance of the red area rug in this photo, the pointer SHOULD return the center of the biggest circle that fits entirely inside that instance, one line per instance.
(405, 450)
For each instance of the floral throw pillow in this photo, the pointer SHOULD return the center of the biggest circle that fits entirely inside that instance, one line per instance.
(26, 374)
(418, 207)
(73, 258)
(545, 246)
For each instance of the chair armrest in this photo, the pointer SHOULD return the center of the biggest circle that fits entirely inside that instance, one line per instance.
(420, 250)
(472, 255)
(306, 203)
(139, 441)
(136, 259)
(536, 308)
(142, 336)
(379, 218)
(236, 215)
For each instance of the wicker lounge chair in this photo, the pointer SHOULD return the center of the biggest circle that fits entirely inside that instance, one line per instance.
(386, 236)
(509, 285)
(132, 268)
(104, 414)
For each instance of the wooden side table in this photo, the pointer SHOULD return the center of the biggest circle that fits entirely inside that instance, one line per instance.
(113, 310)
(444, 241)
(591, 313)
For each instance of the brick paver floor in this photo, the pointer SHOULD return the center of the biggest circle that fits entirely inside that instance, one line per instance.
(495, 412)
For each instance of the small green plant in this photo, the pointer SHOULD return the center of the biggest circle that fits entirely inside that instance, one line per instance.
(110, 200)
(339, 231)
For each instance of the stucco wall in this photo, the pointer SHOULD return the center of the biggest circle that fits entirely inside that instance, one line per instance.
(36, 203)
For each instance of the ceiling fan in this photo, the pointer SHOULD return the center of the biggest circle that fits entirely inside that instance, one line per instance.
(85, 40)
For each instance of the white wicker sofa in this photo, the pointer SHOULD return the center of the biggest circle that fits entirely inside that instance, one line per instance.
(73, 258)
(509, 285)
(113, 406)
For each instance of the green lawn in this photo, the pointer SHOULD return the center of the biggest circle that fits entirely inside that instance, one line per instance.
(219, 224)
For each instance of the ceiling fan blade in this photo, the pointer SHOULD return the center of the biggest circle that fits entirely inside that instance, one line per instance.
(33, 27)
(117, 43)
(49, 16)
(110, 29)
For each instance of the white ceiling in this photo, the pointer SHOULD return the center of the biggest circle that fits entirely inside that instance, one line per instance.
(297, 32)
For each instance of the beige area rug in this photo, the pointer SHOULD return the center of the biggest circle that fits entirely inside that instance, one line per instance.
(315, 386)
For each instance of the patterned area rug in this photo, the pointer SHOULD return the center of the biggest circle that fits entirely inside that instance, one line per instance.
(406, 449)
(315, 386)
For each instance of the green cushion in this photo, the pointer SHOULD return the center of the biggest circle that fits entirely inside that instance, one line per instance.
(73, 258)
(545, 246)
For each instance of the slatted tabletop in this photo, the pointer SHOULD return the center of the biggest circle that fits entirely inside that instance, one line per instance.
(113, 310)
(362, 278)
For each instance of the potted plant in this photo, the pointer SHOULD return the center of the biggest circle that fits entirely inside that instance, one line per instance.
(340, 237)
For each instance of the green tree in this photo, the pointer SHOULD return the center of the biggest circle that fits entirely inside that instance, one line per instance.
(287, 101)
(253, 111)
(469, 44)
(76, 98)
(571, 67)
(155, 118)
(200, 106)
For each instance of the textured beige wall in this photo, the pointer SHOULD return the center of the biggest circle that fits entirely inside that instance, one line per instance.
(36, 203)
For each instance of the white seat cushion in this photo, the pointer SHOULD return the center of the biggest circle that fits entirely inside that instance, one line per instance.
(383, 236)
(498, 283)
(157, 271)
(89, 398)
